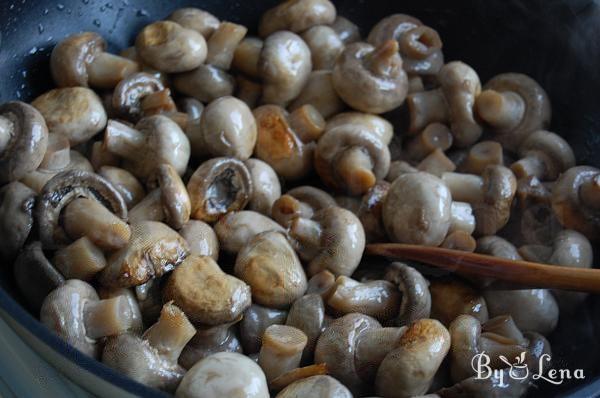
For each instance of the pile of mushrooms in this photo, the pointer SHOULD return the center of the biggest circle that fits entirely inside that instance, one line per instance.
(198, 223)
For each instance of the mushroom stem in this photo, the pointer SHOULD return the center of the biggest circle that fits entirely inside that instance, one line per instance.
(379, 299)
(381, 61)
(308, 234)
(464, 187)
(5, 136)
(420, 42)
(437, 163)
(532, 165)
(171, 332)
(461, 218)
(481, 155)
(426, 107)
(80, 260)
(434, 136)
(58, 153)
(307, 123)
(502, 110)
(87, 217)
(107, 317)
(590, 192)
(158, 102)
(107, 70)
(355, 167)
(222, 44)
(504, 326)
(372, 346)
(123, 140)
(281, 350)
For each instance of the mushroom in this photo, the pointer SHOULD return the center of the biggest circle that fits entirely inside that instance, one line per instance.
(459, 240)
(420, 46)
(223, 43)
(201, 239)
(286, 141)
(153, 250)
(255, 321)
(416, 299)
(451, 297)
(500, 384)
(369, 212)
(152, 358)
(316, 386)
(199, 20)
(137, 325)
(35, 275)
(351, 203)
(209, 340)
(491, 195)
(426, 107)
(576, 200)
(284, 65)
(308, 314)
(125, 183)
(81, 259)
(245, 58)
(211, 378)
(228, 128)
(75, 313)
(270, 266)
(149, 298)
(370, 78)
(498, 247)
(436, 163)
(408, 370)
(248, 91)
(16, 217)
(267, 188)
(206, 83)
(397, 168)
(76, 203)
(544, 155)
(321, 283)
(302, 201)
(296, 16)
(378, 298)
(81, 60)
(372, 346)
(336, 347)
(480, 156)
(237, 228)
(281, 350)
(218, 186)
(325, 46)
(171, 48)
(333, 239)
(320, 93)
(434, 136)
(23, 140)
(75, 112)
(193, 108)
(353, 152)
(513, 105)
(129, 95)
(346, 30)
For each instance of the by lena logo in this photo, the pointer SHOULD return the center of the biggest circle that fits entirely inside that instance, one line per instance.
(519, 370)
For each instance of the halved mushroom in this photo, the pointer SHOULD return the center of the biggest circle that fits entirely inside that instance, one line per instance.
(223, 43)
(194, 18)
(267, 188)
(23, 140)
(154, 141)
(206, 83)
(451, 297)
(201, 239)
(281, 350)
(237, 228)
(320, 93)
(346, 30)
(416, 299)
(513, 105)
(325, 46)
(152, 358)
(171, 48)
(245, 58)
(16, 218)
(153, 250)
(74, 312)
(544, 155)
(379, 299)
(76, 203)
(75, 112)
(218, 186)
(302, 201)
(128, 95)
(270, 266)
(333, 239)
(129, 187)
(321, 386)
(81, 60)
(296, 16)
(286, 141)
(283, 80)
(369, 78)
(209, 340)
(255, 321)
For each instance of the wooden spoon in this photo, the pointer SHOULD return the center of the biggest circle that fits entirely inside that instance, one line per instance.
(525, 273)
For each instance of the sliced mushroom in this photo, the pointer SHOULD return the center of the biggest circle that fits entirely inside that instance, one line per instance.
(320, 93)
(206, 83)
(281, 350)
(16, 218)
(416, 299)
(255, 321)
(237, 228)
(316, 386)
(302, 201)
(194, 18)
(171, 48)
(223, 43)
(129, 187)
(451, 297)
(544, 155)
(129, 94)
(218, 186)
(81, 60)
(201, 239)
(296, 16)
(267, 188)
(209, 340)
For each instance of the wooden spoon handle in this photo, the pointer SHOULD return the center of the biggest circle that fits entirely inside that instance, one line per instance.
(525, 273)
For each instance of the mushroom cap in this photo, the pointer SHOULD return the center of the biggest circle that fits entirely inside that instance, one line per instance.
(302, 201)
(228, 128)
(308, 314)
(557, 151)
(451, 297)
(201, 239)
(210, 340)
(237, 228)
(206, 83)
(218, 186)
(153, 250)
(130, 189)
(284, 65)
(75, 112)
(270, 266)
(206, 294)
(336, 347)
(537, 106)
(266, 185)
(128, 94)
(571, 249)
(16, 217)
(369, 211)
(567, 205)
(416, 299)
(377, 298)
(372, 123)
(499, 188)
(194, 18)
(171, 48)
(175, 200)
(316, 386)
(63, 312)
(392, 27)
(416, 209)
(325, 46)
(296, 16)
(319, 92)
(211, 378)
(371, 79)
(29, 139)
(64, 188)
(70, 58)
